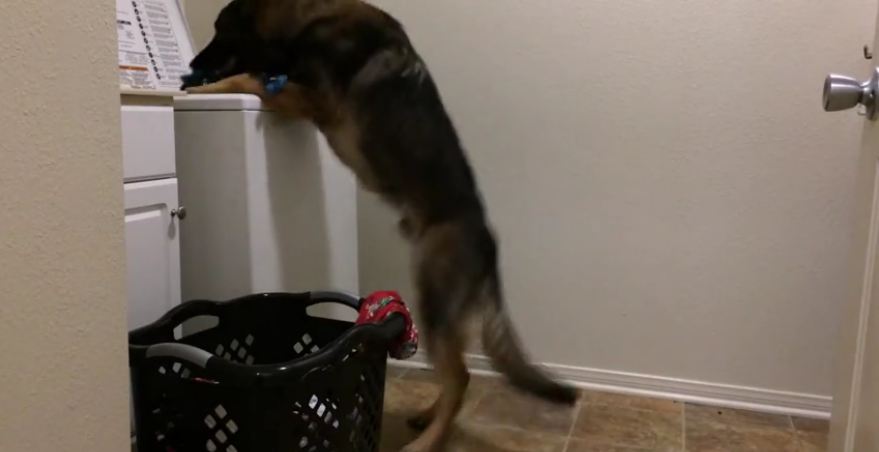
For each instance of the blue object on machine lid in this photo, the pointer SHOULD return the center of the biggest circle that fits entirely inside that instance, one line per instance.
(275, 84)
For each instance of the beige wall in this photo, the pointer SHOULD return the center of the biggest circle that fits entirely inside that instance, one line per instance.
(63, 360)
(201, 15)
(671, 200)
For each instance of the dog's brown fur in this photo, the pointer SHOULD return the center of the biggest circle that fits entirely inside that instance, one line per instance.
(354, 73)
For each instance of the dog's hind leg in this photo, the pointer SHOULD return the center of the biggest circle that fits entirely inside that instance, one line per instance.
(458, 376)
(445, 272)
(447, 352)
(423, 418)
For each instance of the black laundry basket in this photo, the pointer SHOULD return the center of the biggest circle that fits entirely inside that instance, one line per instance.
(268, 377)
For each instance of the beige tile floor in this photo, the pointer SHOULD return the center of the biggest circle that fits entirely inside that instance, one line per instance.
(497, 419)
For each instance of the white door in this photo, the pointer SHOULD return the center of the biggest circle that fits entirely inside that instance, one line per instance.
(152, 250)
(855, 419)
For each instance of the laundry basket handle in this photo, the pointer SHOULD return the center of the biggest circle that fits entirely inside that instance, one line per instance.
(347, 299)
(185, 352)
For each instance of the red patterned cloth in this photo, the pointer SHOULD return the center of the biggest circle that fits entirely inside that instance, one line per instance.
(377, 307)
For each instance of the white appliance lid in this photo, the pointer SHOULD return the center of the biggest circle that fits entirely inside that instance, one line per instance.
(219, 102)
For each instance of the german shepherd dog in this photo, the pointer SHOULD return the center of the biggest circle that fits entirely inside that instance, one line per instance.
(353, 72)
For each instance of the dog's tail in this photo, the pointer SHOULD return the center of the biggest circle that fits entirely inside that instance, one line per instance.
(507, 356)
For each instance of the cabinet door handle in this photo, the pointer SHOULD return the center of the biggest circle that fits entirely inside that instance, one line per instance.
(179, 212)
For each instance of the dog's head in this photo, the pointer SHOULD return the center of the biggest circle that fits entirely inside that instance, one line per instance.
(234, 49)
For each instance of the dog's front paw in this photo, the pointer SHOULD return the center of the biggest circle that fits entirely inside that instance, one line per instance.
(198, 78)
(194, 90)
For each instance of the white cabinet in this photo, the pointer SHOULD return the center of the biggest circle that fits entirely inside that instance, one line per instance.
(147, 142)
(152, 250)
(152, 242)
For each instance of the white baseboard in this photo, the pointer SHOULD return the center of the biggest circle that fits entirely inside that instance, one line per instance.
(715, 394)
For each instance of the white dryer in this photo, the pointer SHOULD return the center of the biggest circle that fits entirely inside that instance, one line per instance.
(268, 206)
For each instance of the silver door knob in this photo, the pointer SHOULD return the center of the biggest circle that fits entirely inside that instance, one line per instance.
(179, 212)
(842, 93)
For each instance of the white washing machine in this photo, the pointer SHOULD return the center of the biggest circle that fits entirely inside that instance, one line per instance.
(268, 206)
